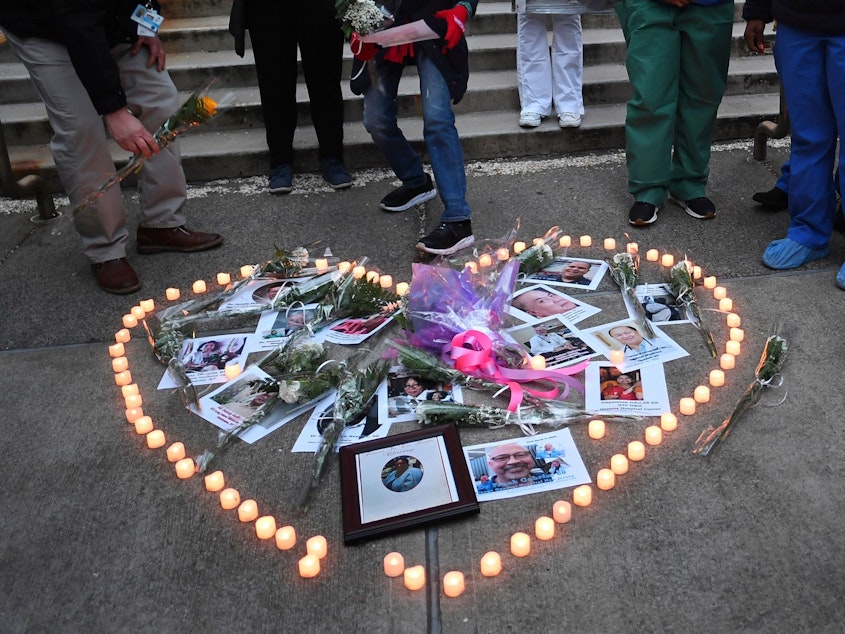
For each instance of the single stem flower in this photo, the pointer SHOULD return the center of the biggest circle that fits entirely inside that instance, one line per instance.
(681, 282)
(624, 269)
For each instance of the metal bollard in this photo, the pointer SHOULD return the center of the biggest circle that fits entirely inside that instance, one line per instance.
(26, 187)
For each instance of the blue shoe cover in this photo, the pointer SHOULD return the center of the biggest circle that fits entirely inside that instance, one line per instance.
(840, 278)
(788, 254)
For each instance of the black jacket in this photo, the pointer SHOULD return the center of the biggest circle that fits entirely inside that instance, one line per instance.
(88, 29)
(822, 16)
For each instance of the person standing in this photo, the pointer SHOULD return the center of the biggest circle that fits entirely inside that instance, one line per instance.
(276, 30)
(443, 69)
(677, 61)
(91, 67)
(548, 83)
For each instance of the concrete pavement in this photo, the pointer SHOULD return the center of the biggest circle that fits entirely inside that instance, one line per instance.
(99, 535)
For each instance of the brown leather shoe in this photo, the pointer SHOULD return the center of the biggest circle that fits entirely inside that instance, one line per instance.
(116, 276)
(179, 239)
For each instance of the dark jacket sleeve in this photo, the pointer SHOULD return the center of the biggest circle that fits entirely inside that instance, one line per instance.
(757, 10)
(237, 25)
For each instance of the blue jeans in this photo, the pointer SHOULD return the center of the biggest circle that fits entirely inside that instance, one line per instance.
(439, 132)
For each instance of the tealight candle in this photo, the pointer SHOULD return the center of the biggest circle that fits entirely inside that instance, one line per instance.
(137, 312)
(520, 545)
(733, 347)
(317, 546)
(653, 435)
(246, 270)
(518, 247)
(199, 287)
(595, 429)
(122, 336)
(538, 362)
(172, 294)
(372, 276)
(636, 451)
(737, 334)
(734, 321)
(309, 567)
(727, 362)
(617, 357)
(585, 241)
(123, 378)
(472, 267)
(619, 464)
(720, 292)
(265, 527)
(343, 267)
(696, 272)
(484, 260)
(582, 495)
(402, 288)
(502, 254)
(230, 499)
(134, 400)
(605, 479)
(632, 247)
(667, 259)
(414, 577)
(609, 244)
(668, 421)
(247, 511)
(717, 378)
(562, 511)
(565, 241)
(687, 406)
(286, 538)
(117, 350)
(652, 254)
(144, 425)
(701, 394)
(215, 481)
(133, 414)
(385, 281)
(176, 452)
(233, 370)
(185, 468)
(321, 264)
(129, 390)
(147, 304)
(491, 564)
(120, 364)
(394, 564)
(223, 279)
(156, 439)
(129, 321)
(453, 584)
(544, 528)
(358, 272)
(710, 282)
(726, 304)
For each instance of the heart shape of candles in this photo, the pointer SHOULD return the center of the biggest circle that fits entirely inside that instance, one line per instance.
(629, 454)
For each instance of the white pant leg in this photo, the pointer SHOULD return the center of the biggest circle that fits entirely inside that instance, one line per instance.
(567, 64)
(161, 182)
(79, 145)
(533, 64)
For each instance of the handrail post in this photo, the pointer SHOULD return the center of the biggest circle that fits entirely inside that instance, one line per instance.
(769, 130)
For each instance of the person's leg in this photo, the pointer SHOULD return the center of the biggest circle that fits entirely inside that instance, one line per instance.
(653, 63)
(567, 64)
(705, 52)
(533, 65)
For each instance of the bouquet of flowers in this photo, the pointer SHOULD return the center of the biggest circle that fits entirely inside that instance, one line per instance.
(680, 280)
(362, 16)
(624, 269)
(768, 371)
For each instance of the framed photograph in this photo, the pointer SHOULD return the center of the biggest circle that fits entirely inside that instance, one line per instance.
(403, 481)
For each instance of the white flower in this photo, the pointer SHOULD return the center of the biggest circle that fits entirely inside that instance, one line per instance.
(289, 391)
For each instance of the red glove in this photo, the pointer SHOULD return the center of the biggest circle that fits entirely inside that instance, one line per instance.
(365, 51)
(456, 20)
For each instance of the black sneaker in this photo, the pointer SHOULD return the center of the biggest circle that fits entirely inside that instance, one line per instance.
(335, 174)
(642, 213)
(701, 208)
(281, 179)
(403, 198)
(447, 238)
(775, 199)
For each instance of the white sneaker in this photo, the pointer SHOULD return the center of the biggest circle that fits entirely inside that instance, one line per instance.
(529, 119)
(569, 120)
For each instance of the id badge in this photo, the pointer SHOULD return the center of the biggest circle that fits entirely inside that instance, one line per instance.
(149, 20)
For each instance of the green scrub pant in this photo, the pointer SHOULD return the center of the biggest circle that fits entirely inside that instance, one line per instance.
(677, 63)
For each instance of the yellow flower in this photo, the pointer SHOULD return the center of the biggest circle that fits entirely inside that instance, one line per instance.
(209, 105)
